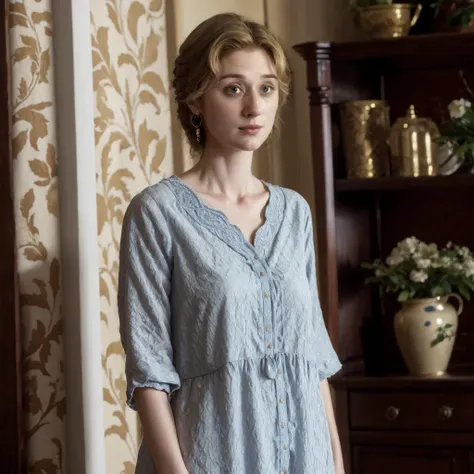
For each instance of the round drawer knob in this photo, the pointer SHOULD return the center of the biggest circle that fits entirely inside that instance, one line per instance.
(445, 412)
(392, 413)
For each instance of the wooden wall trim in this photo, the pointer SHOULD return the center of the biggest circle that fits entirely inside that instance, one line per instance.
(11, 445)
(80, 289)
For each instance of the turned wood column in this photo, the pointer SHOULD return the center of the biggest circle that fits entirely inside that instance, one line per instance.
(317, 56)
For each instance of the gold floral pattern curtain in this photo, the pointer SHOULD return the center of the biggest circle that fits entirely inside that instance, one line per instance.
(37, 227)
(133, 149)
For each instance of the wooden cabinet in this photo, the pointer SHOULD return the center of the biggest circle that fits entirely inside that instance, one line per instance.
(413, 426)
(400, 425)
(370, 460)
(389, 421)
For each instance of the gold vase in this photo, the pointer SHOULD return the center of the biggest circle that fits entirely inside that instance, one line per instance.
(365, 126)
(388, 21)
(413, 149)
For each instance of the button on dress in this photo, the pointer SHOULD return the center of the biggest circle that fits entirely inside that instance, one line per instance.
(233, 332)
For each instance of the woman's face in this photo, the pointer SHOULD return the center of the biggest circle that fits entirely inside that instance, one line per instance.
(239, 108)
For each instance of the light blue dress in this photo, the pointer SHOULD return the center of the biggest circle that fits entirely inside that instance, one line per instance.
(232, 331)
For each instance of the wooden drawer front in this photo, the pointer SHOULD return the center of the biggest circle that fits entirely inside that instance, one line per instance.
(394, 460)
(411, 411)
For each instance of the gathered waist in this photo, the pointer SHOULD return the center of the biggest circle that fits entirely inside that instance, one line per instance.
(267, 366)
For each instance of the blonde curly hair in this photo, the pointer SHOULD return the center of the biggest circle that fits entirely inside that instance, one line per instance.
(198, 60)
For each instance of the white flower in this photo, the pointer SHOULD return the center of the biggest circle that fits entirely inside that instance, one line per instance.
(423, 263)
(394, 258)
(432, 248)
(408, 246)
(457, 108)
(416, 256)
(464, 252)
(445, 262)
(418, 276)
(469, 268)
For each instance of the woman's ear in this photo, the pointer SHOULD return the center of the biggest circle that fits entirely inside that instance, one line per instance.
(194, 108)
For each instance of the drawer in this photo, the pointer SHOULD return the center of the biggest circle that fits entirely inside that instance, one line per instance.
(442, 411)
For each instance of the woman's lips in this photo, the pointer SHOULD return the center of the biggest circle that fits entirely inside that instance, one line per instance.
(251, 129)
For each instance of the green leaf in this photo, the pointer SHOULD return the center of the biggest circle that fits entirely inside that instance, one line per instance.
(469, 284)
(447, 287)
(397, 280)
(404, 296)
(461, 16)
(464, 292)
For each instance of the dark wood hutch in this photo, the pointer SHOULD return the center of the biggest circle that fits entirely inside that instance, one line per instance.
(390, 422)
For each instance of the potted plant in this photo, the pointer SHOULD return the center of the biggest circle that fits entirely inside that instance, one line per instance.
(385, 18)
(424, 278)
(457, 135)
(455, 15)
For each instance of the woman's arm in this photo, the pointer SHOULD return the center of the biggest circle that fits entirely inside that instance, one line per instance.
(144, 304)
(159, 430)
(335, 443)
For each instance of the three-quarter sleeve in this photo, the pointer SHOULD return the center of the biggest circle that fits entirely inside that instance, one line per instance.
(329, 361)
(144, 290)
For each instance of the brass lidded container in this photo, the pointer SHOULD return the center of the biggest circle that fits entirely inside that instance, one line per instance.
(365, 127)
(388, 21)
(413, 149)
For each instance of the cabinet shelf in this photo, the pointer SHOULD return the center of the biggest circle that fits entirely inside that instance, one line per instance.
(436, 49)
(403, 183)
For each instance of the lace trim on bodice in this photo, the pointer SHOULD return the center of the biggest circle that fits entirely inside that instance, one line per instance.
(218, 223)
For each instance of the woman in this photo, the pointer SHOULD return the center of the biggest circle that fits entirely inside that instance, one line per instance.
(227, 354)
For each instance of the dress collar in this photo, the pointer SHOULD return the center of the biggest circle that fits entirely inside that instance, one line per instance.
(218, 223)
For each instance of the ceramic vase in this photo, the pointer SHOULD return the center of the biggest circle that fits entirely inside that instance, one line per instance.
(425, 331)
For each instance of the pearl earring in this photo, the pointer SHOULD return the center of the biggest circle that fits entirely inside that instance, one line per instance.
(197, 126)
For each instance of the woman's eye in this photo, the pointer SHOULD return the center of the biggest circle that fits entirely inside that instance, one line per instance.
(233, 90)
(267, 89)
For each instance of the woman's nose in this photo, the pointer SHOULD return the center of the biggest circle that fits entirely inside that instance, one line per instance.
(253, 105)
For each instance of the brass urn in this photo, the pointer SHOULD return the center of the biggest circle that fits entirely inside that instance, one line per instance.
(413, 149)
(388, 21)
(365, 127)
